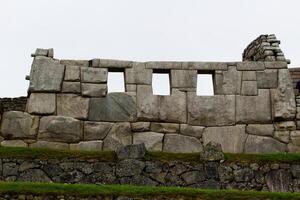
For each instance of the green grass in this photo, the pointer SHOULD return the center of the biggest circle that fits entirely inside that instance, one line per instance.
(137, 191)
(15, 152)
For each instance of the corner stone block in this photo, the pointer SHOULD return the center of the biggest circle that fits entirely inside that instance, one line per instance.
(42, 103)
(93, 75)
(71, 105)
(152, 140)
(173, 108)
(205, 110)
(120, 135)
(115, 107)
(138, 74)
(252, 109)
(147, 104)
(96, 130)
(72, 73)
(19, 125)
(50, 145)
(87, 146)
(283, 98)
(60, 129)
(267, 79)
(261, 144)
(176, 143)
(232, 81)
(231, 138)
(183, 78)
(94, 90)
(46, 75)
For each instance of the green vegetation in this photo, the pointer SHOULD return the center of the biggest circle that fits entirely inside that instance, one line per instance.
(15, 152)
(137, 191)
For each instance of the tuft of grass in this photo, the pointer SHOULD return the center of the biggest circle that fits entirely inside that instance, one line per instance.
(110, 156)
(138, 191)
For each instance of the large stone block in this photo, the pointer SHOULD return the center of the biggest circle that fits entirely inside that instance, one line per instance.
(283, 98)
(93, 75)
(109, 63)
(81, 63)
(71, 105)
(17, 124)
(96, 130)
(249, 88)
(252, 109)
(205, 66)
(115, 107)
(87, 146)
(140, 126)
(72, 73)
(250, 66)
(147, 103)
(60, 129)
(42, 103)
(183, 78)
(276, 65)
(231, 138)
(211, 110)
(152, 140)
(138, 74)
(50, 145)
(194, 131)
(165, 127)
(163, 65)
(261, 144)
(249, 76)
(267, 79)
(173, 108)
(232, 80)
(13, 143)
(119, 135)
(46, 75)
(71, 87)
(181, 144)
(260, 129)
(94, 90)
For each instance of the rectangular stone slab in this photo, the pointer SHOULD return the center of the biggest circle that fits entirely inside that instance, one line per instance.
(215, 110)
(115, 107)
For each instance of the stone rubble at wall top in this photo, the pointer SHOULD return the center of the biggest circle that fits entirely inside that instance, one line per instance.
(69, 100)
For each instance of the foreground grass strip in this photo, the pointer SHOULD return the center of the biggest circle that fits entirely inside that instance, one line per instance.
(136, 191)
(18, 152)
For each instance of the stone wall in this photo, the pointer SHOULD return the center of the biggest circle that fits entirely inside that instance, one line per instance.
(13, 104)
(253, 109)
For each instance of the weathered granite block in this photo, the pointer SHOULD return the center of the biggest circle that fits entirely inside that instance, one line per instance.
(46, 75)
(205, 65)
(180, 143)
(60, 129)
(261, 144)
(94, 90)
(183, 78)
(249, 76)
(163, 65)
(276, 65)
(194, 131)
(115, 107)
(295, 138)
(17, 125)
(119, 135)
(130, 88)
(152, 140)
(205, 110)
(231, 138)
(140, 126)
(249, 88)
(96, 130)
(252, 109)
(42, 103)
(282, 136)
(250, 66)
(87, 146)
(260, 129)
(232, 80)
(109, 63)
(71, 105)
(138, 74)
(72, 73)
(147, 103)
(71, 87)
(283, 98)
(13, 143)
(267, 79)
(93, 75)
(285, 125)
(164, 127)
(80, 63)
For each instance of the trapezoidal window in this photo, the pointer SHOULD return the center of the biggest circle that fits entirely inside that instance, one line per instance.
(161, 82)
(115, 81)
(205, 85)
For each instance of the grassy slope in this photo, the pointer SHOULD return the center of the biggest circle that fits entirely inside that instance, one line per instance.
(137, 191)
(13, 152)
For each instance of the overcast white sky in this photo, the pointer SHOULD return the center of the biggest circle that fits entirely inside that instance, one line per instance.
(197, 30)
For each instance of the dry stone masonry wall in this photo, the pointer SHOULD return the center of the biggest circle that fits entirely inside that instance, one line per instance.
(253, 109)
